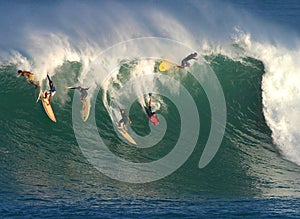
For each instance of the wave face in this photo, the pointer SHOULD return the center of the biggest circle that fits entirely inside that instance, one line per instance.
(45, 171)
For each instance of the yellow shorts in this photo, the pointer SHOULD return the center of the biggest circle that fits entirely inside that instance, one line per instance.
(31, 78)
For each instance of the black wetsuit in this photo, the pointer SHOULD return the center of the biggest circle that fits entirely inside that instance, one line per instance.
(83, 92)
(149, 111)
(185, 62)
(52, 87)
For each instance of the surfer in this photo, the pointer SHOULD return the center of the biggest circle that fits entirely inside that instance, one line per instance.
(52, 90)
(83, 92)
(150, 114)
(185, 63)
(30, 77)
(149, 109)
(124, 119)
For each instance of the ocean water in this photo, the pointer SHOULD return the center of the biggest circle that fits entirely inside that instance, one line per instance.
(228, 143)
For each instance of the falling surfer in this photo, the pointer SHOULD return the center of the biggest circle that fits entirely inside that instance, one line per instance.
(30, 77)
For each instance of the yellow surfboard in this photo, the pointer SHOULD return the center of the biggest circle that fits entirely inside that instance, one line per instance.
(48, 108)
(164, 66)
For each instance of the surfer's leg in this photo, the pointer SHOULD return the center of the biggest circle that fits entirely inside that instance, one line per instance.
(50, 98)
(150, 101)
(34, 83)
(183, 63)
(119, 124)
(83, 96)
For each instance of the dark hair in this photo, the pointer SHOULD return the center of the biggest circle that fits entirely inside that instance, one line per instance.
(20, 71)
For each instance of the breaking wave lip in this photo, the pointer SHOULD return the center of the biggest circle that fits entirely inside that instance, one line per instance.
(280, 91)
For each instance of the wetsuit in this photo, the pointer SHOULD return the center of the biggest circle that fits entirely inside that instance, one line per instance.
(52, 90)
(83, 92)
(124, 117)
(185, 63)
(149, 111)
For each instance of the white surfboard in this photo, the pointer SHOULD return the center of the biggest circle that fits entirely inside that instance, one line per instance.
(48, 108)
(85, 112)
(125, 134)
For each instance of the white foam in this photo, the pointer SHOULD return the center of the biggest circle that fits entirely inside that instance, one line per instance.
(280, 93)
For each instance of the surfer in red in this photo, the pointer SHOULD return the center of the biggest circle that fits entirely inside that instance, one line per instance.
(151, 115)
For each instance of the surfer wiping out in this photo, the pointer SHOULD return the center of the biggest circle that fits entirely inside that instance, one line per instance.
(30, 77)
(52, 90)
(83, 92)
(185, 63)
(124, 120)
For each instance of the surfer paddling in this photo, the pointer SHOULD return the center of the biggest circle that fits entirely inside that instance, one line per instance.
(52, 90)
(30, 77)
(185, 61)
(124, 120)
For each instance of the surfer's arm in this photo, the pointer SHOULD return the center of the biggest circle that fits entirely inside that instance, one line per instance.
(73, 88)
(129, 120)
(49, 79)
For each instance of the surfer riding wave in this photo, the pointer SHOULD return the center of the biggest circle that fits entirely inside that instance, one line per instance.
(52, 90)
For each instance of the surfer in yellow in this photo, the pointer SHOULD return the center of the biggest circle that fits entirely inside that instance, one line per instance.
(52, 90)
(30, 77)
(185, 61)
(124, 120)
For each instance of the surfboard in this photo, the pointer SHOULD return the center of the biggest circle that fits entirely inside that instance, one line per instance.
(154, 120)
(48, 108)
(125, 134)
(164, 66)
(85, 112)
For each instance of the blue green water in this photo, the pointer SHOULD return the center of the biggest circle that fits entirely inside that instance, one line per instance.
(250, 46)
